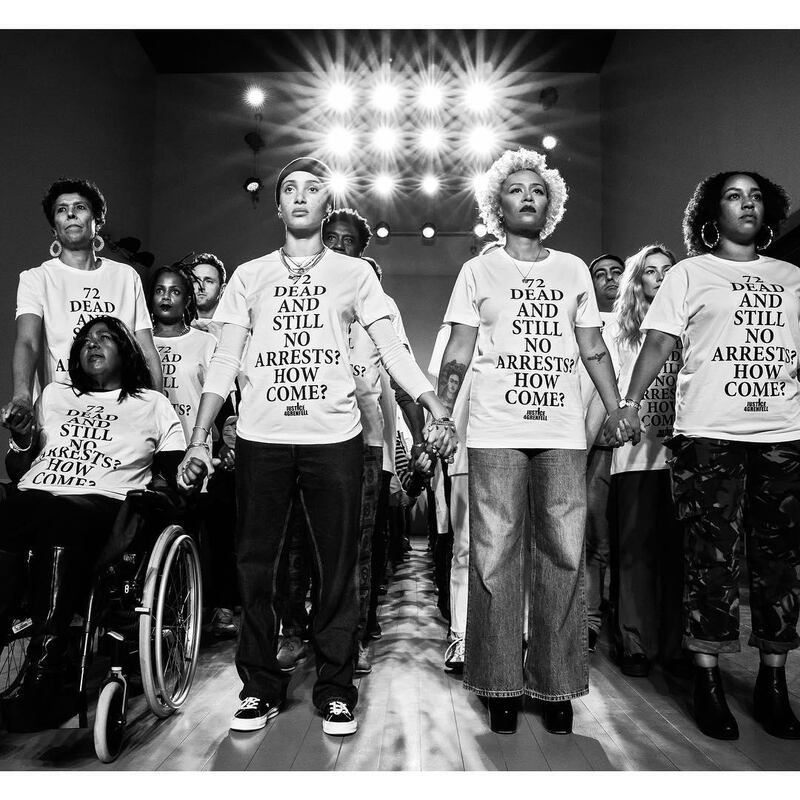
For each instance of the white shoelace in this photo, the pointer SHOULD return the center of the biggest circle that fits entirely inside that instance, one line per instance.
(249, 703)
(339, 708)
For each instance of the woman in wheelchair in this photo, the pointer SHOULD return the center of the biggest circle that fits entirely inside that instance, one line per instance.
(90, 444)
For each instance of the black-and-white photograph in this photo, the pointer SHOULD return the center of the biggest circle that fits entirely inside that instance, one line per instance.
(413, 399)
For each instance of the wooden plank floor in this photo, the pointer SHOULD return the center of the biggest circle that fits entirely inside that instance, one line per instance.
(414, 717)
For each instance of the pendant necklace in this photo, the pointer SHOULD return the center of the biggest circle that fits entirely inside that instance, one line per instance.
(530, 269)
(297, 269)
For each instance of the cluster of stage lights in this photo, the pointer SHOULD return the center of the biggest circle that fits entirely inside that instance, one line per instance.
(481, 140)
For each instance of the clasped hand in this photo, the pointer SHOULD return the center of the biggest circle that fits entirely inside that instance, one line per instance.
(17, 415)
(441, 440)
(622, 425)
(194, 467)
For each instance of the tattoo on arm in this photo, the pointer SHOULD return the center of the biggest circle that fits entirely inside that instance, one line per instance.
(598, 357)
(451, 376)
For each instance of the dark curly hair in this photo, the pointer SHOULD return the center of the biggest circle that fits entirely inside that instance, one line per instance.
(186, 277)
(194, 259)
(704, 207)
(135, 375)
(356, 220)
(83, 187)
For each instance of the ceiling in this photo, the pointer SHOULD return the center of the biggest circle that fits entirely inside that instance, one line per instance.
(230, 51)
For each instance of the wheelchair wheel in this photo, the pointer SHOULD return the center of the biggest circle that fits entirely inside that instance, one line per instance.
(169, 632)
(13, 655)
(109, 722)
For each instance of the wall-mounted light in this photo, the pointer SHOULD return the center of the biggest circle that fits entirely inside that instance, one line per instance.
(383, 232)
(428, 231)
(479, 230)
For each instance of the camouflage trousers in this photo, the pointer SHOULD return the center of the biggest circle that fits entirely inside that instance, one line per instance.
(724, 492)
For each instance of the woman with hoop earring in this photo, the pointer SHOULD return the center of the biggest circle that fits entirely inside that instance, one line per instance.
(56, 299)
(299, 439)
(736, 449)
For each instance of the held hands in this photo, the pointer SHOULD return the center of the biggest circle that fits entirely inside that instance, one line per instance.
(623, 426)
(17, 415)
(193, 469)
(441, 438)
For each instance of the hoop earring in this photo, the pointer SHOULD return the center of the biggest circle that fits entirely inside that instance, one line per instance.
(708, 244)
(56, 248)
(769, 241)
(98, 243)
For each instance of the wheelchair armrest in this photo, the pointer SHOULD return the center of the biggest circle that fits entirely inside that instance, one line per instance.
(142, 509)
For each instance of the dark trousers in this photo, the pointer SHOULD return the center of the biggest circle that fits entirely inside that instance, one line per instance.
(40, 522)
(646, 564)
(217, 515)
(328, 480)
(296, 578)
(723, 489)
(380, 541)
(370, 493)
(35, 520)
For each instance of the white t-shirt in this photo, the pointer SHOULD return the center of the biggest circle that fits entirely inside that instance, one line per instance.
(184, 364)
(366, 364)
(738, 322)
(208, 325)
(92, 444)
(525, 390)
(298, 385)
(657, 412)
(66, 298)
(388, 402)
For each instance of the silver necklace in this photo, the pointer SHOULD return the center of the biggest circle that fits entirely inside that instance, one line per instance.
(530, 269)
(297, 269)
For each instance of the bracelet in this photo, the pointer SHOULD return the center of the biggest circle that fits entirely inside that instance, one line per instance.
(12, 445)
(204, 445)
(628, 403)
(201, 428)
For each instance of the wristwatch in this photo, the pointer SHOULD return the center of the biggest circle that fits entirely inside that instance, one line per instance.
(628, 403)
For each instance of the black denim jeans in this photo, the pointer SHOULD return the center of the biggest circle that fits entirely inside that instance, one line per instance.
(328, 477)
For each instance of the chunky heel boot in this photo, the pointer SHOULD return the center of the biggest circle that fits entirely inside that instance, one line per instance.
(771, 703)
(55, 583)
(557, 716)
(503, 714)
(711, 710)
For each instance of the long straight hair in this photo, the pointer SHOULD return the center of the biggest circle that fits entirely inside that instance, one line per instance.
(631, 305)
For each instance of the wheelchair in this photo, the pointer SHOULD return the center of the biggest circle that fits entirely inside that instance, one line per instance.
(145, 601)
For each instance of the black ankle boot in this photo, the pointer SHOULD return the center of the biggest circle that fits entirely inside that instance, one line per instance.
(503, 714)
(56, 577)
(771, 703)
(557, 716)
(711, 710)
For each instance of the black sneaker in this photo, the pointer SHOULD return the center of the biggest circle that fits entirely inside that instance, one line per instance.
(253, 714)
(338, 719)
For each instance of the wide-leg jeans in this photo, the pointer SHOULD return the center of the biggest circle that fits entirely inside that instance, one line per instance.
(505, 487)
(327, 478)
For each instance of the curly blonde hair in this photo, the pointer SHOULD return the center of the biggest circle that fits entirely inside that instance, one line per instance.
(511, 161)
(631, 305)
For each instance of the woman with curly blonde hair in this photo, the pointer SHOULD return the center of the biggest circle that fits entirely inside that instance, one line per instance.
(646, 535)
(532, 312)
